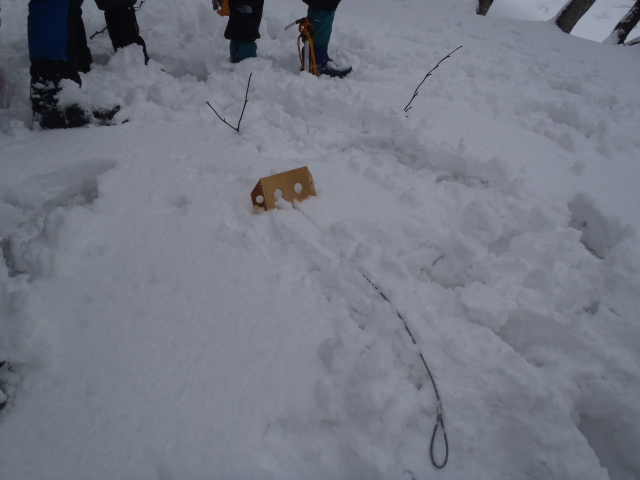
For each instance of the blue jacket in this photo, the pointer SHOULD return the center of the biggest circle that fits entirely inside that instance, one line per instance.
(51, 26)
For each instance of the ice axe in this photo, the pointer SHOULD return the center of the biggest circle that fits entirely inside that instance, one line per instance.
(306, 53)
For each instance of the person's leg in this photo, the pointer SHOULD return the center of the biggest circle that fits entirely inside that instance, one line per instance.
(322, 21)
(243, 28)
(122, 24)
(322, 4)
(52, 28)
(83, 54)
(321, 14)
(58, 50)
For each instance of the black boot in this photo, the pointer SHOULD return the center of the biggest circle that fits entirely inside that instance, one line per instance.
(45, 87)
(44, 103)
(326, 65)
(123, 29)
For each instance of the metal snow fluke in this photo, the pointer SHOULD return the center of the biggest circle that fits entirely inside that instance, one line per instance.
(296, 184)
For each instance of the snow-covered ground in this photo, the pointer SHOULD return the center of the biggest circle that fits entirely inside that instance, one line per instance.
(595, 25)
(158, 328)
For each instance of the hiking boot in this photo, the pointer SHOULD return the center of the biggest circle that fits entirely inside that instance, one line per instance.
(49, 115)
(44, 104)
(104, 116)
(46, 78)
(326, 65)
(75, 116)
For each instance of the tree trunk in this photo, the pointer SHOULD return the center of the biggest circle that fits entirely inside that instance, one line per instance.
(624, 27)
(483, 6)
(571, 14)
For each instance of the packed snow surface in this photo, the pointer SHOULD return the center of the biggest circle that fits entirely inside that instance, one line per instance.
(154, 326)
(596, 24)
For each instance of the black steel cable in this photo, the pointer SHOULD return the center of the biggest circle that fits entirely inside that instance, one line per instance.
(440, 418)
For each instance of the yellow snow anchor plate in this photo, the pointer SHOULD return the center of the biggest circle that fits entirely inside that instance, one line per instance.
(293, 185)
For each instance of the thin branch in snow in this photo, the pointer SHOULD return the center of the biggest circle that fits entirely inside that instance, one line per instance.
(415, 94)
(246, 99)
(97, 33)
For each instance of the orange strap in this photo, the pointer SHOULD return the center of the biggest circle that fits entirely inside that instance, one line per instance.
(307, 33)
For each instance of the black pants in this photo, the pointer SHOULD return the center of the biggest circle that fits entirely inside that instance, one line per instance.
(322, 4)
(246, 15)
(111, 4)
(244, 20)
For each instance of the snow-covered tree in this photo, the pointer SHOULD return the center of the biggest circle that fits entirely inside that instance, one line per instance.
(571, 14)
(623, 28)
(483, 6)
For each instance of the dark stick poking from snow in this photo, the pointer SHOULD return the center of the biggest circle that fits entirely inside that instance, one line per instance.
(246, 95)
(415, 94)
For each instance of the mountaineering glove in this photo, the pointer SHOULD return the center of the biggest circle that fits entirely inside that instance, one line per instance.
(221, 7)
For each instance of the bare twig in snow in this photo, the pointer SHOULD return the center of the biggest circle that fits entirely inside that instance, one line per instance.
(415, 94)
(246, 95)
(98, 33)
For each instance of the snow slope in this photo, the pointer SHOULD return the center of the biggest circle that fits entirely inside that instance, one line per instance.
(595, 25)
(515, 9)
(158, 328)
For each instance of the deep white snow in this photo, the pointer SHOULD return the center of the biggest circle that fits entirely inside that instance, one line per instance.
(595, 25)
(158, 328)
